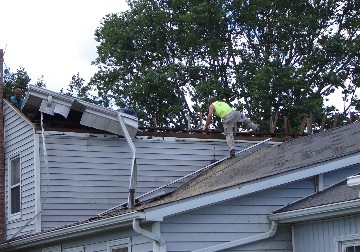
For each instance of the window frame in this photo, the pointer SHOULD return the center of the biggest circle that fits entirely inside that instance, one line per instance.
(119, 243)
(16, 215)
(75, 249)
(342, 242)
(52, 249)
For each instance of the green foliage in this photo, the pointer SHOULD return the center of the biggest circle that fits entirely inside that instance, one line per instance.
(19, 79)
(78, 89)
(263, 56)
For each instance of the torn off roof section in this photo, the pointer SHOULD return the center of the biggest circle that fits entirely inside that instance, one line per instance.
(93, 116)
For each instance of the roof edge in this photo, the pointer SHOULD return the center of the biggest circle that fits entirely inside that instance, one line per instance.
(318, 212)
(158, 212)
(72, 231)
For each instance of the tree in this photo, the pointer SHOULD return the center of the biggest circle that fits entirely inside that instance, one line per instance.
(263, 56)
(78, 89)
(19, 79)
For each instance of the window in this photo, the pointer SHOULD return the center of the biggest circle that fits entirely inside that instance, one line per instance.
(52, 249)
(14, 185)
(76, 249)
(350, 246)
(348, 243)
(121, 245)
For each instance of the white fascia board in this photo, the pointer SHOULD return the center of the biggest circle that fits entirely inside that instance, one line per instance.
(157, 213)
(45, 93)
(69, 101)
(71, 232)
(319, 212)
(354, 181)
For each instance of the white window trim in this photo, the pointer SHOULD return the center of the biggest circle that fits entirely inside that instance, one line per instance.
(340, 241)
(52, 249)
(15, 216)
(75, 249)
(120, 243)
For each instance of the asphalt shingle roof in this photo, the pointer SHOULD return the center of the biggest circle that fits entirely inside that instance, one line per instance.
(294, 154)
(338, 193)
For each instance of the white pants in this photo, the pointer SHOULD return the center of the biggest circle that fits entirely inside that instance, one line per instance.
(228, 123)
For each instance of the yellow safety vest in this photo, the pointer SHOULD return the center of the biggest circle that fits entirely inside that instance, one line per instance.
(221, 109)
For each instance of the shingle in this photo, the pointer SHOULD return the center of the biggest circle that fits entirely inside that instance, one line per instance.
(338, 193)
(294, 154)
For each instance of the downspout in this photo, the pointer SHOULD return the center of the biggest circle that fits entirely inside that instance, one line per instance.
(133, 176)
(159, 241)
(2, 152)
(47, 178)
(242, 241)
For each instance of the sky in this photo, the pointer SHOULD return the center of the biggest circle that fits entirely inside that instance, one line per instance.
(53, 38)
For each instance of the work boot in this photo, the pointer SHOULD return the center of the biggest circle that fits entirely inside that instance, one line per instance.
(232, 153)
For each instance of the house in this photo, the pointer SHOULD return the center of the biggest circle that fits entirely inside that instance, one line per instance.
(325, 221)
(73, 162)
(75, 191)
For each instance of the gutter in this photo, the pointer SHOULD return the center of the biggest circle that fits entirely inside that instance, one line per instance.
(242, 241)
(157, 213)
(65, 233)
(325, 211)
(160, 243)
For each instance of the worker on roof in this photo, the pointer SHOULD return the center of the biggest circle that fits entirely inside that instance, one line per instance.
(229, 116)
(17, 99)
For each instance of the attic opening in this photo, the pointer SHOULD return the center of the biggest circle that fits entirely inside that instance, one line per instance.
(57, 121)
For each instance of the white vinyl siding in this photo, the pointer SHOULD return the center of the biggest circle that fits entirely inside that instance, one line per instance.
(326, 235)
(19, 142)
(91, 174)
(234, 219)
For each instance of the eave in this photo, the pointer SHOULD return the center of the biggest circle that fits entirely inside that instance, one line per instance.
(71, 232)
(93, 116)
(156, 211)
(317, 213)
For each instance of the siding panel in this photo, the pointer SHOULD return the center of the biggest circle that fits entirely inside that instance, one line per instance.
(94, 172)
(19, 139)
(323, 233)
(233, 220)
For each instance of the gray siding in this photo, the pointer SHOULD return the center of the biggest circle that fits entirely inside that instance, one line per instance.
(233, 220)
(99, 242)
(334, 177)
(90, 174)
(241, 218)
(19, 140)
(320, 236)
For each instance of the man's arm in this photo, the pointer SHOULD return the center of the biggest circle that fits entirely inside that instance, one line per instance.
(209, 117)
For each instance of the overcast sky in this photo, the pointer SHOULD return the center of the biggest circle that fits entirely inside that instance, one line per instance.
(53, 38)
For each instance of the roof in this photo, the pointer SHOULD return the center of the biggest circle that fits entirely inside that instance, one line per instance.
(336, 201)
(278, 159)
(286, 158)
(337, 193)
(61, 107)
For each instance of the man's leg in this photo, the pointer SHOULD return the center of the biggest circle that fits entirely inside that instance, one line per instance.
(229, 133)
(246, 121)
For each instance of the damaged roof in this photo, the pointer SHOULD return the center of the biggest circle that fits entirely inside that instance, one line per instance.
(286, 157)
(65, 107)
